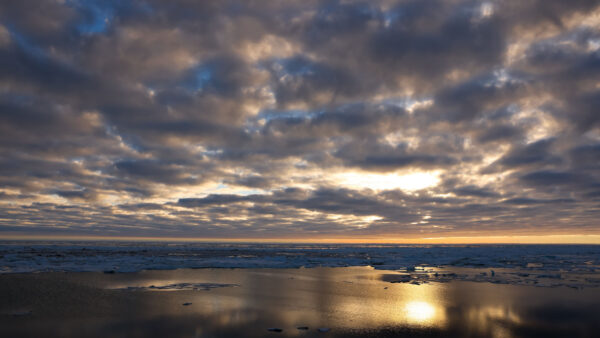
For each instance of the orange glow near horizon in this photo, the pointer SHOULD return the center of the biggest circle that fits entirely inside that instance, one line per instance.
(547, 239)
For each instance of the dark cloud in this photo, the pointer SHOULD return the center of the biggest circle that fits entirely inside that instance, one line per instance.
(586, 157)
(211, 200)
(500, 132)
(527, 201)
(253, 181)
(83, 194)
(300, 81)
(475, 192)
(551, 178)
(534, 153)
(299, 118)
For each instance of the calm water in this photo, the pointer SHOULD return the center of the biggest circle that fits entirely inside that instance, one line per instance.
(356, 301)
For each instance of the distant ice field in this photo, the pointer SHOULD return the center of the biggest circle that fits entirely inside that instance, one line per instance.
(576, 266)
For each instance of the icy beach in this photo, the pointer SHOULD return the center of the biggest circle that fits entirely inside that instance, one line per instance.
(315, 302)
(575, 266)
(120, 289)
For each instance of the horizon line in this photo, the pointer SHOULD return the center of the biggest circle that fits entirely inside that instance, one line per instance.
(505, 239)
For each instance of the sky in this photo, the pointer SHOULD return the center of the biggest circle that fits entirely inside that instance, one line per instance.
(300, 120)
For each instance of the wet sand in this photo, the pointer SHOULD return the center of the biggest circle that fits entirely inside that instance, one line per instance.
(350, 302)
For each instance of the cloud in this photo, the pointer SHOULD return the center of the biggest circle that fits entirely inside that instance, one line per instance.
(551, 178)
(538, 152)
(236, 119)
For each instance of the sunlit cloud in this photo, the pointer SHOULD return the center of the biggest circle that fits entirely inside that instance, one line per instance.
(299, 119)
(403, 181)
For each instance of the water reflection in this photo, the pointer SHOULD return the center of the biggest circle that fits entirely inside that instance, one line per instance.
(419, 312)
(344, 299)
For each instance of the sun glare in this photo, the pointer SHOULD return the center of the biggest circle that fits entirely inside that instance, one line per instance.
(408, 182)
(419, 312)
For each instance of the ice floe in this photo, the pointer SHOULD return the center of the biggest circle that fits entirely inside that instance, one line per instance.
(178, 286)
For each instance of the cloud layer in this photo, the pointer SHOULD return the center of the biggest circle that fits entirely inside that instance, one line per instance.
(299, 119)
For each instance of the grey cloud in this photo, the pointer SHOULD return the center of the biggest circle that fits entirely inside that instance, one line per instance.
(551, 178)
(586, 156)
(340, 201)
(302, 81)
(528, 201)
(377, 156)
(471, 99)
(82, 194)
(536, 152)
(141, 206)
(451, 42)
(500, 132)
(254, 181)
(156, 171)
(211, 200)
(475, 192)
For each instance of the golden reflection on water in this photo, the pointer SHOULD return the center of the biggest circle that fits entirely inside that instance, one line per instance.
(487, 319)
(370, 305)
(422, 305)
(419, 312)
(338, 298)
(338, 294)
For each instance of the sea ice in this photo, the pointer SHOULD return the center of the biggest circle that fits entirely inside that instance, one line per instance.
(178, 286)
(513, 264)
